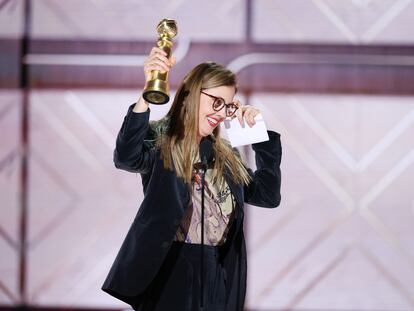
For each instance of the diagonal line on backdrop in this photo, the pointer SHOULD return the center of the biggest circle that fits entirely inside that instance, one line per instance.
(66, 135)
(87, 281)
(383, 183)
(5, 163)
(52, 225)
(371, 218)
(336, 21)
(340, 151)
(77, 254)
(285, 20)
(311, 246)
(323, 134)
(3, 4)
(385, 20)
(331, 184)
(90, 119)
(318, 278)
(385, 233)
(364, 210)
(9, 240)
(58, 219)
(47, 167)
(227, 9)
(393, 281)
(63, 16)
(271, 232)
(392, 135)
(7, 108)
(8, 160)
(387, 180)
(320, 172)
(14, 5)
(8, 293)
(121, 17)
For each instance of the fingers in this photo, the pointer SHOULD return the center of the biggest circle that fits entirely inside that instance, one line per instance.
(249, 115)
(157, 60)
(157, 51)
(246, 114)
(239, 114)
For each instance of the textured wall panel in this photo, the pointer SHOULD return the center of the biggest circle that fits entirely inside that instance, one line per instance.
(126, 20)
(341, 239)
(332, 21)
(11, 18)
(9, 195)
(80, 205)
(77, 197)
(322, 21)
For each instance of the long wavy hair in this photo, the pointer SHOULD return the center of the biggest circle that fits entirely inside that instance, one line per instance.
(177, 131)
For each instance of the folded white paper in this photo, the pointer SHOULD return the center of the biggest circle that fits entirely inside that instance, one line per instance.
(239, 136)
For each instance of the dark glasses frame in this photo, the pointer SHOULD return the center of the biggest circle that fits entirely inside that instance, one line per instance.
(229, 105)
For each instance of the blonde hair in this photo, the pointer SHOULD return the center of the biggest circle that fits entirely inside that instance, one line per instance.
(178, 130)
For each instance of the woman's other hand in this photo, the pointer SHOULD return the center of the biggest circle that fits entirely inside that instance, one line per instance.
(246, 113)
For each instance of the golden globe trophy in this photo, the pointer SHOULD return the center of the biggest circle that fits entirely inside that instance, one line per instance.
(157, 89)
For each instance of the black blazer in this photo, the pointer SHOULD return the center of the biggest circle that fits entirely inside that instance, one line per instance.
(166, 197)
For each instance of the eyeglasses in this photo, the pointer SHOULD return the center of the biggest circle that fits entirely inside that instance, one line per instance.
(219, 103)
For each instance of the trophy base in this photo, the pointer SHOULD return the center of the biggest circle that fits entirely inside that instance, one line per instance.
(156, 92)
(156, 97)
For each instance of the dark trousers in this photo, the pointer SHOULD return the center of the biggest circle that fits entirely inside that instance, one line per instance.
(177, 284)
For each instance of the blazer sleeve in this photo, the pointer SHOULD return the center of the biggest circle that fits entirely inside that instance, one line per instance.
(133, 153)
(264, 188)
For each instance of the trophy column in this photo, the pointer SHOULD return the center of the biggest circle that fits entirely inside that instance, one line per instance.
(157, 89)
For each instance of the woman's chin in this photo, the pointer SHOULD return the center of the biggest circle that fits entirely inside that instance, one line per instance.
(205, 133)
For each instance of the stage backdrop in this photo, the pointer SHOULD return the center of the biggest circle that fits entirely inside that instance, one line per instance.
(341, 238)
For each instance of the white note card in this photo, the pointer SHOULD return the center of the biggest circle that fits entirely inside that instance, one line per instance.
(240, 136)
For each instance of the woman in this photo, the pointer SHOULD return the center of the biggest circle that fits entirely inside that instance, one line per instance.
(159, 264)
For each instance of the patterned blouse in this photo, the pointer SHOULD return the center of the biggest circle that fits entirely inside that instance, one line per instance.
(218, 212)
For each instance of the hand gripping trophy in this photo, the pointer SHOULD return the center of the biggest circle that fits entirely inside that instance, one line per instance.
(157, 89)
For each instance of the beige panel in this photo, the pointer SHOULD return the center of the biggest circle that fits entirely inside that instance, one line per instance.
(9, 195)
(332, 21)
(81, 206)
(11, 19)
(132, 20)
(341, 238)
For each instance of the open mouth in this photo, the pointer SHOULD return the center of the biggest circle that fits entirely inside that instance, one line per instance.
(213, 122)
